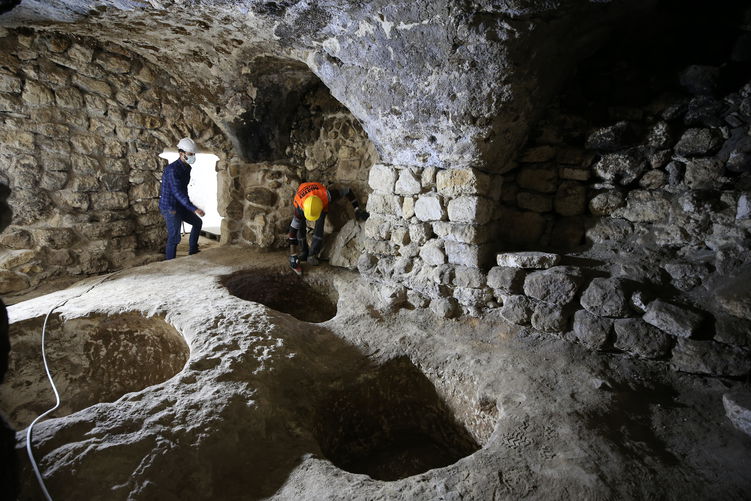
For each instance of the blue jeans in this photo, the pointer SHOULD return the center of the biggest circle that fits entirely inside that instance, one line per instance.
(174, 220)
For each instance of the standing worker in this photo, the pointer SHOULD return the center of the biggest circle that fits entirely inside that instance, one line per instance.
(174, 203)
(311, 203)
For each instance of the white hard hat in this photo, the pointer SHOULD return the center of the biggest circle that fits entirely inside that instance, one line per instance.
(187, 144)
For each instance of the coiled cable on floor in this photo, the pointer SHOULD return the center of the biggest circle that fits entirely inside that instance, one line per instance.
(30, 429)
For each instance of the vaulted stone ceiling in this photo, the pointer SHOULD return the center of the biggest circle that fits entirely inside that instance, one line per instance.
(445, 83)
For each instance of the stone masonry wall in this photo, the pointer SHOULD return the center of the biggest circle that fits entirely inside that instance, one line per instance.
(81, 127)
(652, 210)
(327, 145)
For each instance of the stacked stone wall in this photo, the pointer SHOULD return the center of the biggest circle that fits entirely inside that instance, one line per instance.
(649, 214)
(81, 127)
(326, 145)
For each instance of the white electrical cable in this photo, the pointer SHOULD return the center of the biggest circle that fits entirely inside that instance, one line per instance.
(30, 429)
(57, 404)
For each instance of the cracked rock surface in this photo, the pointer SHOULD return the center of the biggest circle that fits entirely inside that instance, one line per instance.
(242, 419)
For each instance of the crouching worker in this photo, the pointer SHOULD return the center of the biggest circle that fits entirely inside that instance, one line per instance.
(311, 203)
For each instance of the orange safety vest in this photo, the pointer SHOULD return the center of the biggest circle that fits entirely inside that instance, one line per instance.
(307, 189)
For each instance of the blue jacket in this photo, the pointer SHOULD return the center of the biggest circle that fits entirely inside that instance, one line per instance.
(175, 187)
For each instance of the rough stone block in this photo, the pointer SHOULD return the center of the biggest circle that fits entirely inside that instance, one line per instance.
(508, 280)
(698, 142)
(113, 63)
(467, 254)
(408, 207)
(11, 281)
(382, 178)
(429, 208)
(55, 238)
(558, 285)
(529, 260)
(69, 97)
(606, 297)
(469, 277)
(427, 178)
(109, 200)
(80, 54)
(660, 136)
(87, 145)
(445, 307)
(675, 320)
(467, 296)
(390, 205)
(549, 318)
(9, 83)
(645, 206)
(653, 180)
(457, 182)
(622, 168)
(738, 409)
(638, 338)
(92, 86)
(470, 209)
(432, 252)
(517, 310)
(465, 233)
(9, 259)
(710, 357)
(704, 174)
(408, 183)
(592, 331)
(611, 138)
(420, 233)
(35, 94)
(14, 237)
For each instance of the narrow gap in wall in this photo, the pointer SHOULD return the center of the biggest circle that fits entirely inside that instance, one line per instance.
(202, 191)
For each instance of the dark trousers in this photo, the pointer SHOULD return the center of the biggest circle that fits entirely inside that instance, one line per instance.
(317, 241)
(174, 220)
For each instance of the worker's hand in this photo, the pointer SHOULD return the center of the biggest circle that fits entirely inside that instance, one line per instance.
(361, 215)
(200, 212)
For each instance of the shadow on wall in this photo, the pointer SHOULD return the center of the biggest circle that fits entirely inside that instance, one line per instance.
(294, 131)
(612, 144)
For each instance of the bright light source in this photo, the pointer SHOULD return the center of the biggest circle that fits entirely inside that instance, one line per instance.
(202, 188)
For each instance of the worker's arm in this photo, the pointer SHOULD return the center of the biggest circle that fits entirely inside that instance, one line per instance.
(347, 193)
(181, 194)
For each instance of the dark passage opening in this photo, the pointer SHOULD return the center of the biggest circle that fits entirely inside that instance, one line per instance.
(390, 424)
(283, 291)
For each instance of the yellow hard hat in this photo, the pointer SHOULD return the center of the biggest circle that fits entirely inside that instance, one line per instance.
(312, 206)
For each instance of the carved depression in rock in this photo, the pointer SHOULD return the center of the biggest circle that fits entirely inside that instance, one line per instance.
(93, 359)
(390, 423)
(308, 299)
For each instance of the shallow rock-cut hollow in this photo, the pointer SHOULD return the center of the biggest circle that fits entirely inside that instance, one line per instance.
(306, 298)
(93, 359)
(390, 424)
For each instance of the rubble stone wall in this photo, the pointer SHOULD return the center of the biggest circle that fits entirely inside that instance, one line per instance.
(326, 145)
(81, 128)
